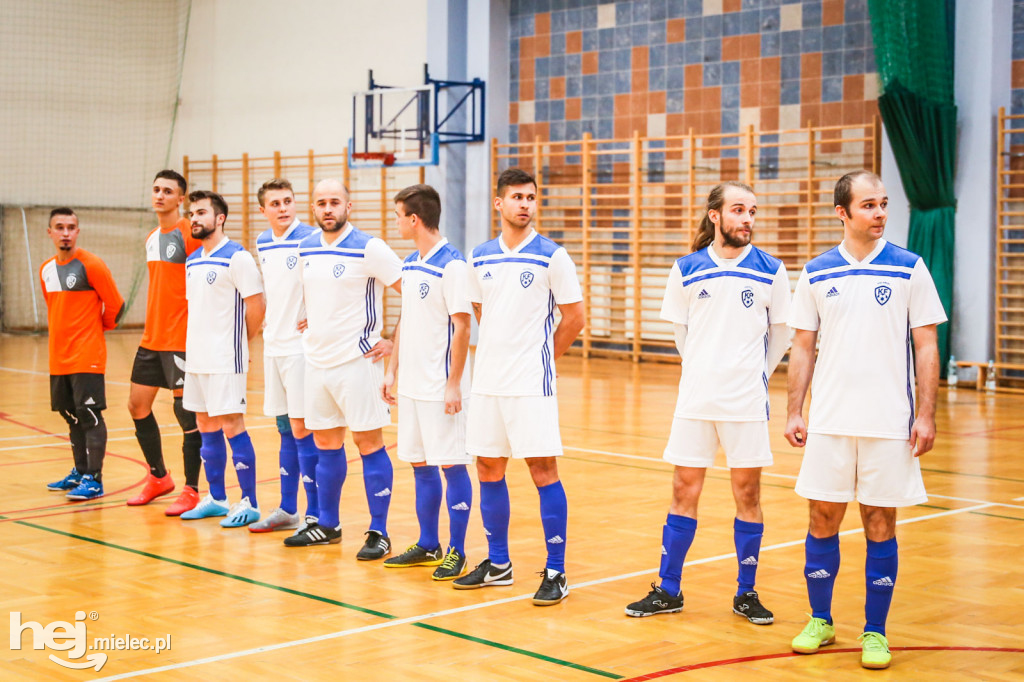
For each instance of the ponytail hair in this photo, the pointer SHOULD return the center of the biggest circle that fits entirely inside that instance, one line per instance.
(716, 197)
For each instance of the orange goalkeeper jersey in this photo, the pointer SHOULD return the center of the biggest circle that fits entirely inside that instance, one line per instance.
(81, 300)
(166, 308)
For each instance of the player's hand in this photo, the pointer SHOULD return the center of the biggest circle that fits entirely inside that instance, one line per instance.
(796, 431)
(922, 436)
(452, 399)
(303, 325)
(386, 388)
(380, 351)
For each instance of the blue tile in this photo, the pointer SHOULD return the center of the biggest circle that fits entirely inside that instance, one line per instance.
(712, 50)
(1017, 101)
(657, 56)
(790, 92)
(513, 69)
(833, 38)
(588, 126)
(770, 19)
(557, 5)
(623, 59)
(573, 4)
(1018, 46)
(588, 107)
(656, 79)
(573, 86)
(856, 10)
(811, 40)
(657, 32)
(588, 17)
(832, 89)
(513, 91)
(675, 9)
(674, 79)
(730, 120)
(791, 42)
(590, 40)
(674, 101)
(513, 49)
(513, 134)
(556, 110)
(750, 21)
(854, 61)
(712, 74)
(590, 82)
(832, 64)
(540, 110)
(623, 36)
(541, 6)
(693, 8)
(541, 66)
(730, 96)
(853, 35)
(658, 10)
(712, 26)
(732, 24)
(573, 132)
(623, 82)
(556, 131)
(606, 84)
(641, 11)
(573, 64)
(731, 73)
(605, 129)
(1018, 16)
(694, 28)
(790, 67)
(869, 61)
(556, 66)
(605, 38)
(639, 34)
(558, 22)
(557, 43)
(693, 52)
(770, 44)
(542, 88)
(606, 61)
(623, 13)
(606, 107)
(811, 14)
(514, 8)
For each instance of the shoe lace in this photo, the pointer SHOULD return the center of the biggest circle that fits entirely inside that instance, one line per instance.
(815, 626)
(451, 560)
(873, 641)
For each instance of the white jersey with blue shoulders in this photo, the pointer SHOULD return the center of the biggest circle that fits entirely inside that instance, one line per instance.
(519, 289)
(282, 276)
(727, 306)
(343, 288)
(434, 289)
(863, 383)
(216, 286)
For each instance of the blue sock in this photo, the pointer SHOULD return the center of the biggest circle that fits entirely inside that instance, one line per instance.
(331, 469)
(820, 569)
(880, 575)
(676, 538)
(214, 452)
(459, 498)
(308, 457)
(495, 511)
(428, 504)
(747, 539)
(554, 516)
(378, 477)
(244, 459)
(289, 460)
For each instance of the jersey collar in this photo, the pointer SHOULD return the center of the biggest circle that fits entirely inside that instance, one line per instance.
(870, 257)
(287, 232)
(519, 247)
(728, 262)
(216, 248)
(434, 249)
(344, 233)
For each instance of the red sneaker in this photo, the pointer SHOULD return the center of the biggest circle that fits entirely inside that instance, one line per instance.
(188, 499)
(154, 488)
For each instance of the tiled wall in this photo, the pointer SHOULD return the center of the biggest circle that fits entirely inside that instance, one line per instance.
(1017, 73)
(661, 67)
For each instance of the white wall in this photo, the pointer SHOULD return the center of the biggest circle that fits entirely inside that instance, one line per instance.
(264, 75)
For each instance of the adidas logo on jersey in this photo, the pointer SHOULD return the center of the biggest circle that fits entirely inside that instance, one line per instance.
(284, 472)
(487, 532)
(243, 402)
(820, 573)
(832, 292)
(461, 506)
(749, 561)
(241, 466)
(703, 294)
(556, 540)
(883, 582)
(180, 382)
(487, 275)
(89, 401)
(664, 552)
(307, 479)
(383, 493)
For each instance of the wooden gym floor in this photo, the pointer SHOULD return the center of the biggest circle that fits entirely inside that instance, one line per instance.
(242, 606)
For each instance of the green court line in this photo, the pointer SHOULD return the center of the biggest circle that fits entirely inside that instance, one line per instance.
(964, 473)
(998, 516)
(325, 600)
(933, 506)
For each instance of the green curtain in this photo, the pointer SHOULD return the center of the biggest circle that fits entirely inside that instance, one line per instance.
(914, 52)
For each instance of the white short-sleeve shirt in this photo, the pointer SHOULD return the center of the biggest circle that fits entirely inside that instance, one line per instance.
(863, 382)
(434, 289)
(727, 307)
(519, 289)
(279, 261)
(216, 285)
(343, 288)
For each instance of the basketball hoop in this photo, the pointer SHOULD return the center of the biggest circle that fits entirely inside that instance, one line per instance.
(383, 158)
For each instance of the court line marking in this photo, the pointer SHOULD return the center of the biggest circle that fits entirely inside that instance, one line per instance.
(416, 620)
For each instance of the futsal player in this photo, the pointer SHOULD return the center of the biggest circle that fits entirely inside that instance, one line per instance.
(344, 272)
(82, 302)
(429, 366)
(284, 366)
(868, 299)
(160, 359)
(516, 281)
(728, 302)
(225, 311)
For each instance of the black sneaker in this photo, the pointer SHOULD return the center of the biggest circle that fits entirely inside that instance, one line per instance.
(484, 575)
(657, 601)
(749, 606)
(314, 534)
(452, 567)
(377, 545)
(416, 556)
(553, 589)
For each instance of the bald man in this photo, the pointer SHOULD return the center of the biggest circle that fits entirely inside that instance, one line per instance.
(344, 272)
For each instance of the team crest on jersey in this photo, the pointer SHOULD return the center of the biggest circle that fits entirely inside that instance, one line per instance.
(338, 269)
(526, 278)
(171, 248)
(291, 261)
(71, 281)
(211, 276)
(882, 294)
(424, 289)
(747, 297)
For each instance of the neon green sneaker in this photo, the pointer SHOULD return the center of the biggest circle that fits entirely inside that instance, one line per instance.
(816, 634)
(875, 653)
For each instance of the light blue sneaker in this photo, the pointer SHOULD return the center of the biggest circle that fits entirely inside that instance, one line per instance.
(69, 482)
(242, 513)
(207, 508)
(87, 489)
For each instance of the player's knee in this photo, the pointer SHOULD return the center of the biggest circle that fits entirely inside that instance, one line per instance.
(88, 417)
(69, 417)
(185, 418)
(284, 425)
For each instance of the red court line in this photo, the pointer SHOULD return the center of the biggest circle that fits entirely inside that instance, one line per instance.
(793, 654)
(34, 461)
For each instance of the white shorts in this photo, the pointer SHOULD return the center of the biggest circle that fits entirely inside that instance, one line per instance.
(880, 472)
(694, 442)
(346, 395)
(517, 426)
(214, 394)
(427, 434)
(283, 380)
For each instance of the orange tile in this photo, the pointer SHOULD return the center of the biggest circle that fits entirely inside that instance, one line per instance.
(588, 64)
(526, 132)
(730, 169)
(541, 130)
(732, 5)
(525, 48)
(771, 70)
(526, 71)
(640, 58)
(558, 87)
(675, 124)
(573, 42)
(693, 76)
(541, 23)
(810, 90)
(639, 82)
(732, 47)
(831, 113)
(750, 72)
(638, 125)
(853, 88)
(675, 30)
(638, 104)
(853, 113)
(770, 93)
(810, 65)
(712, 99)
(622, 127)
(572, 109)
(513, 113)
(691, 100)
(622, 106)
(656, 102)
(750, 46)
(526, 90)
(810, 113)
(691, 121)
(769, 118)
(750, 94)
(832, 12)
(542, 45)
(711, 123)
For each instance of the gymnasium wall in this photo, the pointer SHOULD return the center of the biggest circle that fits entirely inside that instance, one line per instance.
(1017, 72)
